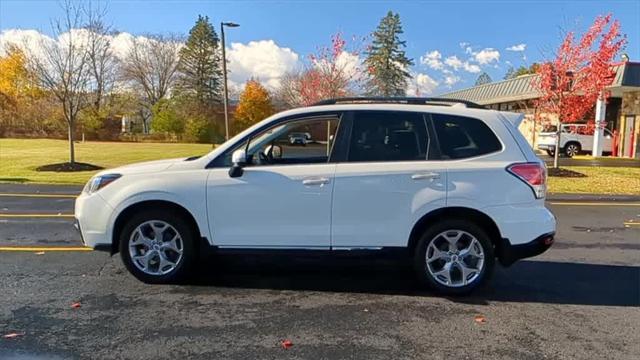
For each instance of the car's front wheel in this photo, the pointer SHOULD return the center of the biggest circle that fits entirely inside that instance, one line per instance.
(454, 257)
(157, 246)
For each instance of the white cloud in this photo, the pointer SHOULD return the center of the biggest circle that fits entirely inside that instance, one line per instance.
(25, 39)
(432, 60)
(518, 47)
(421, 84)
(472, 68)
(451, 80)
(457, 64)
(486, 56)
(454, 62)
(263, 59)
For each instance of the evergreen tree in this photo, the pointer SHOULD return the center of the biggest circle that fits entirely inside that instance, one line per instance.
(484, 78)
(513, 73)
(510, 74)
(200, 64)
(386, 60)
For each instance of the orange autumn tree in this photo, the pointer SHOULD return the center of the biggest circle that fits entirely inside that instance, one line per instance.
(571, 82)
(255, 105)
(16, 82)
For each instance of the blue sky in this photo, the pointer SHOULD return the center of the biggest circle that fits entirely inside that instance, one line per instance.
(304, 25)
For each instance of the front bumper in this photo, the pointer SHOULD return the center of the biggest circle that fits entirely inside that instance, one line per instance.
(92, 219)
(508, 254)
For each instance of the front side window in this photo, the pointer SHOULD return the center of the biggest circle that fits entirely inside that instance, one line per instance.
(388, 136)
(464, 137)
(307, 141)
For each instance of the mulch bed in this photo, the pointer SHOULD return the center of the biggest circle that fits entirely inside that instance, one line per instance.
(560, 172)
(68, 167)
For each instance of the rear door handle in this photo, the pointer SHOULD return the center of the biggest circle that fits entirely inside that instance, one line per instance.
(315, 181)
(426, 176)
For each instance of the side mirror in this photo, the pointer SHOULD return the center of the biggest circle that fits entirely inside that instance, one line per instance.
(239, 159)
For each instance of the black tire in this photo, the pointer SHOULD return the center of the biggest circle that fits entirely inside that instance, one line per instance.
(183, 267)
(571, 149)
(551, 152)
(420, 256)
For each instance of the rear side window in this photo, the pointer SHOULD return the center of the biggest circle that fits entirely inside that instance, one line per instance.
(464, 137)
(388, 136)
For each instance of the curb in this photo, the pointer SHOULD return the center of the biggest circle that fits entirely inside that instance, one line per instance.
(592, 197)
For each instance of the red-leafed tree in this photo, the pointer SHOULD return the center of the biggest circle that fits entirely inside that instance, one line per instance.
(334, 71)
(572, 82)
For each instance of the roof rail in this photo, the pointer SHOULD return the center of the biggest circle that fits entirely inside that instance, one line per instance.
(400, 100)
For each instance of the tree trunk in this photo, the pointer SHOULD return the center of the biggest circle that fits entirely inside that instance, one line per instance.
(72, 153)
(556, 153)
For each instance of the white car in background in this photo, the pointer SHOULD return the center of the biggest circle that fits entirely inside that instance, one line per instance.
(575, 139)
(448, 184)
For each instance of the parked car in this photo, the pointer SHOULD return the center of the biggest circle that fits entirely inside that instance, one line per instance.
(574, 140)
(298, 139)
(454, 188)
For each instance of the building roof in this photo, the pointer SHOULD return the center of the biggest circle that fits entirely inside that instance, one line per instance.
(515, 89)
(521, 88)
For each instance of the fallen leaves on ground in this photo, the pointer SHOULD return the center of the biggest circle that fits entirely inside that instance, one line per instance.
(286, 344)
(13, 335)
(75, 305)
(480, 319)
(40, 253)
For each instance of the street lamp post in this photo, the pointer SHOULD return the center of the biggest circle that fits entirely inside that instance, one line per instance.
(224, 71)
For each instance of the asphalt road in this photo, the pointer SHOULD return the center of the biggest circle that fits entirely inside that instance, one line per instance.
(581, 299)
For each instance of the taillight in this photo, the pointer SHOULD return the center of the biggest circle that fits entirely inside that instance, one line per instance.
(533, 174)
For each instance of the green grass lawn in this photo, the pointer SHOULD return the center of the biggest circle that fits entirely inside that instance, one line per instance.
(598, 180)
(20, 157)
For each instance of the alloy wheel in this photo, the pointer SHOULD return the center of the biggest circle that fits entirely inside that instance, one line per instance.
(156, 247)
(455, 258)
(572, 150)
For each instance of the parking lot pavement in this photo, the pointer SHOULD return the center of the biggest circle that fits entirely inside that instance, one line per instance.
(578, 300)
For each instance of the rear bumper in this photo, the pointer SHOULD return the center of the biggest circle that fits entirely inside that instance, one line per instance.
(508, 254)
(546, 147)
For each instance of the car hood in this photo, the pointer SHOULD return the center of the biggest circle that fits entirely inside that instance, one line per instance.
(144, 167)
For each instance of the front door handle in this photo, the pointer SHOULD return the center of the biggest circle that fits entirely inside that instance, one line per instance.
(426, 176)
(315, 181)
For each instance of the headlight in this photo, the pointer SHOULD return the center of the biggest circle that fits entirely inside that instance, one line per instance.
(98, 182)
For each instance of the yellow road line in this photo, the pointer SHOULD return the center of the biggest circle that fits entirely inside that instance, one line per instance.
(36, 215)
(595, 203)
(632, 223)
(39, 195)
(45, 248)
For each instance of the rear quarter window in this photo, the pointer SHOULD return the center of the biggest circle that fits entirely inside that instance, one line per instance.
(462, 137)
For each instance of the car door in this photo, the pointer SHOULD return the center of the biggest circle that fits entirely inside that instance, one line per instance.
(283, 203)
(386, 181)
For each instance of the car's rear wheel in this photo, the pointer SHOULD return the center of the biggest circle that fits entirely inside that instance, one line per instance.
(551, 152)
(157, 246)
(572, 149)
(454, 257)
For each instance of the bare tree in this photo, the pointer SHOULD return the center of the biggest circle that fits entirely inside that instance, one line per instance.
(102, 61)
(287, 95)
(150, 66)
(62, 66)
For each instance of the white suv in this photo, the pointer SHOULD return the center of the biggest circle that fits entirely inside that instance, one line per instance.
(574, 139)
(454, 186)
